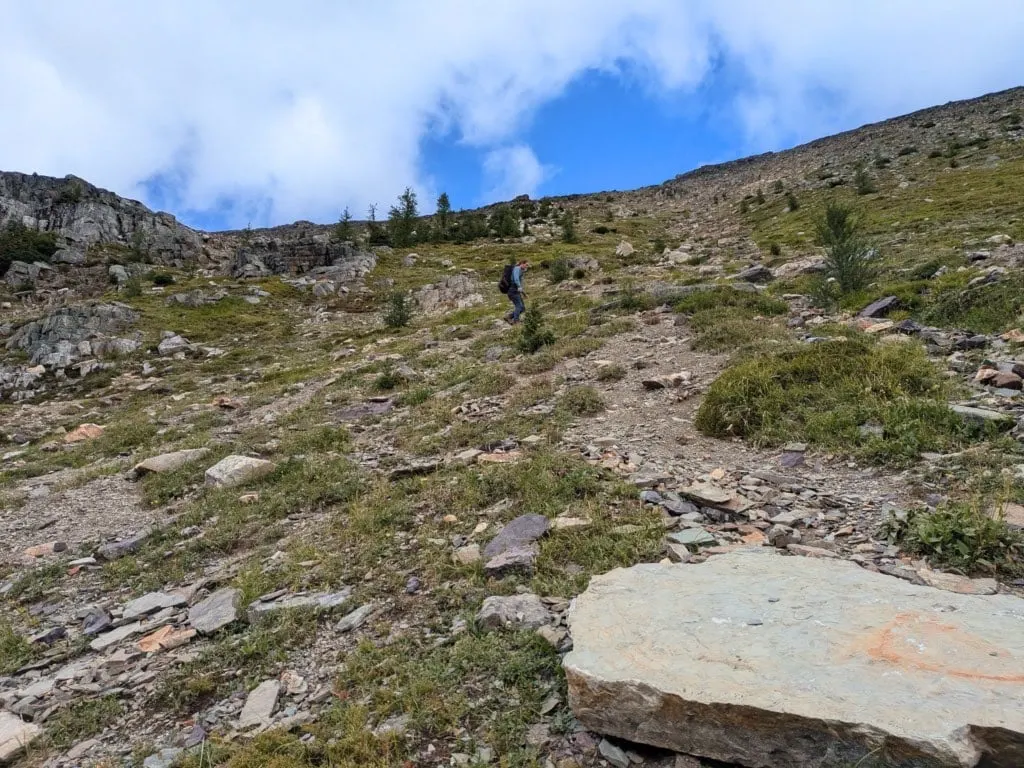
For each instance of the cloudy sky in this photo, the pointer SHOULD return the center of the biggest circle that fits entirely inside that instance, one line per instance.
(226, 112)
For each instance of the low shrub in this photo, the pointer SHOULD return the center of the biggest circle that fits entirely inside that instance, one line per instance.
(960, 536)
(582, 401)
(823, 393)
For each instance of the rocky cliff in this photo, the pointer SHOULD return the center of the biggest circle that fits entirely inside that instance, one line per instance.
(83, 216)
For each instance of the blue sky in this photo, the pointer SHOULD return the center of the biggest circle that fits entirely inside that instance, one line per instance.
(257, 111)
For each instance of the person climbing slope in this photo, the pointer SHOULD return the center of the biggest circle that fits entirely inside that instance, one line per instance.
(511, 284)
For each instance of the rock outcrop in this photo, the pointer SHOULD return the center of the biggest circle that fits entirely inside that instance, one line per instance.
(73, 333)
(771, 661)
(83, 215)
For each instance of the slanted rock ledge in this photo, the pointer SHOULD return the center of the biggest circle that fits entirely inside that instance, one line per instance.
(769, 661)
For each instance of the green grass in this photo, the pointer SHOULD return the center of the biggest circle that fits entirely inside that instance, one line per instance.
(15, 650)
(257, 652)
(983, 309)
(822, 393)
(82, 720)
(726, 319)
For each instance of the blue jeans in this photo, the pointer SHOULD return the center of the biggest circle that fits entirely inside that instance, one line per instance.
(517, 302)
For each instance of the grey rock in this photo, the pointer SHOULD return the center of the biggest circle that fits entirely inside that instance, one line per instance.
(980, 414)
(117, 549)
(172, 344)
(613, 754)
(165, 758)
(880, 308)
(756, 274)
(96, 621)
(356, 618)
(115, 636)
(68, 256)
(118, 274)
(15, 736)
(317, 601)
(521, 531)
(514, 612)
(856, 664)
(151, 603)
(451, 293)
(259, 705)
(169, 462)
(215, 612)
(56, 340)
(232, 471)
(519, 559)
(692, 537)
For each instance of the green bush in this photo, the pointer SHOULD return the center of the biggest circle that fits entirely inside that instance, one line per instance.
(569, 228)
(792, 202)
(399, 311)
(535, 334)
(960, 536)
(822, 394)
(19, 243)
(775, 249)
(778, 186)
(161, 278)
(582, 401)
(863, 182)
(610, 373)
(388, 380)
(559, 270)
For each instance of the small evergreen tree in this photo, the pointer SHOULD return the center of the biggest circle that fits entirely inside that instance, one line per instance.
(849, 258)
(399, 311)
(443, 218)
(505, 222)
(402, 220)
(569, 228)
(375, 232)
(343, 230)
(760, 196)
(863, 182)
(559, 270)
(535, 333)
(791, 201)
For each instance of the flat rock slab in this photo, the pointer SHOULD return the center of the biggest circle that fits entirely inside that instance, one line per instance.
(317, 601)
(260, 704)
(236, 470)
(521, 532)
(215, 612)
(764, 660)
(169, 462)
(364, 410)
(151, 602)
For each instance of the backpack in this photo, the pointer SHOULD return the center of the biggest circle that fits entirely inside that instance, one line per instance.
(506, 278)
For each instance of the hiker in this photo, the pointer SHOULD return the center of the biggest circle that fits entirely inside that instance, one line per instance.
(511, 284)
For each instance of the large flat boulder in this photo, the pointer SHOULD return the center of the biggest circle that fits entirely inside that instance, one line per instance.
(765, 660)
(236, 470)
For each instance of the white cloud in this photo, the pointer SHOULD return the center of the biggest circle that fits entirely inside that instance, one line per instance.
(513, 171)
(276, 111)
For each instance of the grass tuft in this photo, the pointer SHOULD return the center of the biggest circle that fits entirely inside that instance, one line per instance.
(824, 393)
